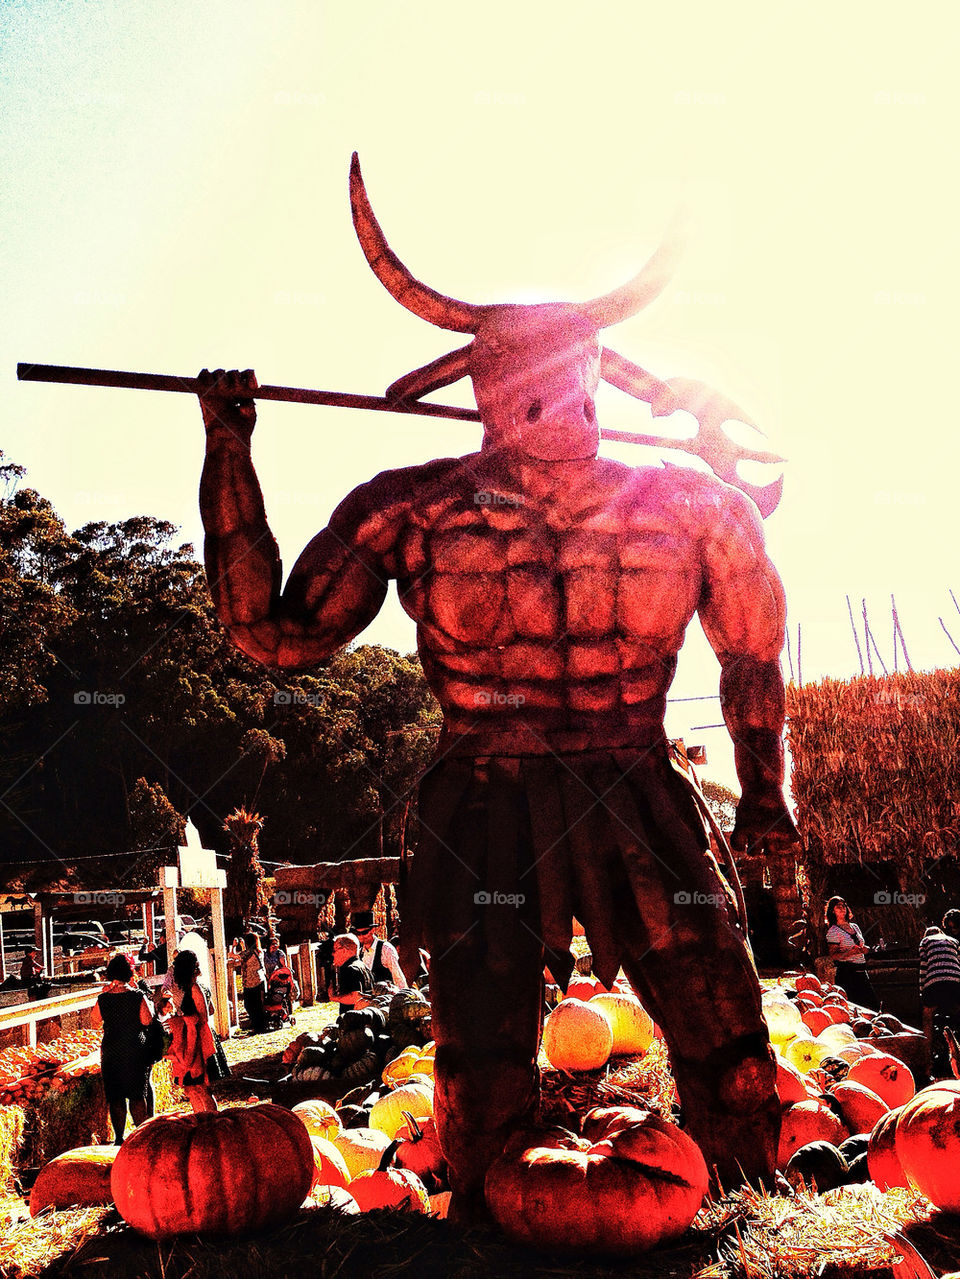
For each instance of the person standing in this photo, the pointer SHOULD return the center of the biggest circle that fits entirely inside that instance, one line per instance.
(378, 955)
(124, 1014)
(939, 992)
(254, 977)
(845, 945)
(197, 1055)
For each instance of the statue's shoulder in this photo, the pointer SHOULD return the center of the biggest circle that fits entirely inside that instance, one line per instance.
(409, 486)
(700, 493)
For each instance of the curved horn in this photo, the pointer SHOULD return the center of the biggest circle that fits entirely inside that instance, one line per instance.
(641, 290)
(446, 313)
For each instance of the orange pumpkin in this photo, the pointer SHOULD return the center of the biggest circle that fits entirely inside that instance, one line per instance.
(389, 1187)
(577, 1037)
(817, 1019)
(805, 1122)
(928, 1143)
(225, 1172)
(633, 1183)
(887, 1076)
(860, 1108)
(329, 1168)
(583, 987)
(419, 1150)
(320, 1118)
(790, 1085)
(80, 1176)
(808, 984)
(884, 1166)
(630, 1022)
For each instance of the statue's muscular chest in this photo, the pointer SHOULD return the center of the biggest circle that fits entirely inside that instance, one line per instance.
(498, 568)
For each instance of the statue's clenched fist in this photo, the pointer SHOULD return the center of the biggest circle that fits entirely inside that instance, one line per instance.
(226, 403)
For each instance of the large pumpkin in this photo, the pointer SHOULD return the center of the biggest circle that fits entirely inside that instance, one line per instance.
(860, 1108)
(885, 1168)
(630, 1022)
(636, 1182)
(886, 1075)
(805, 1122)
(362, 1148)
(80, 1176)
(928, 1143)
(221, 1173)
(577, 1036)
(387, 1114)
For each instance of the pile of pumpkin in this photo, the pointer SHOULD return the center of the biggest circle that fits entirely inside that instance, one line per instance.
(29, 1073)
(363, 1041)
(851, 1112)
(592, 1024)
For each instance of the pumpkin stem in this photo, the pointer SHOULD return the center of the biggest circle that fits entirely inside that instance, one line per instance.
(386, 1159)
(415, 1129)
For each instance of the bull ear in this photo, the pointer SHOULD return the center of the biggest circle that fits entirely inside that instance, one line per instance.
(639, 292)
(448, 368)
(446, 313)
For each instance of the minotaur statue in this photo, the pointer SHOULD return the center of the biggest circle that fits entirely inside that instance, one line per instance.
(551, 589)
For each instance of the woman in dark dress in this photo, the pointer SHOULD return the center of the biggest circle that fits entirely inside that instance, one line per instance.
(124, 1014)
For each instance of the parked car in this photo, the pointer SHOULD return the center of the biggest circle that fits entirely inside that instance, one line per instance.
(75, 943)
(78, 926)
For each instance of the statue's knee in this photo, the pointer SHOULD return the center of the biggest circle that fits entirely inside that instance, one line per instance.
(746, 1076)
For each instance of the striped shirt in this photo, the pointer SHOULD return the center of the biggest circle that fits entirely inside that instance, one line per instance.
(939, 959)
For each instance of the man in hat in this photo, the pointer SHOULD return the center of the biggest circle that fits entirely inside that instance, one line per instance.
(378, 955)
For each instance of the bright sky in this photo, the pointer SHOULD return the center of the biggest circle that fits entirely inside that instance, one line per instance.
(175, 195)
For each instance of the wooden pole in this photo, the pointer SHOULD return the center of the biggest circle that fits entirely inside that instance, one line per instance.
(866, 637)
(64, 373)
(221, 1002)
(789, 655)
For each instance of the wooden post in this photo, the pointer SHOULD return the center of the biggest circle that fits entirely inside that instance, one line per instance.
(3, 957)
(220, 998)
(148, 925)
(169, 880)
(308, 983)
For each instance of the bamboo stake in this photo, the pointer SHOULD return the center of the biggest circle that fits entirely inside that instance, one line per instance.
(799, 665)
(898, 630)
(948, 635)
(856, 637)
(866, 637)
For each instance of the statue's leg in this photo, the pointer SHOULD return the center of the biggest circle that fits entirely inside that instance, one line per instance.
(691, 968)
(486, 1022)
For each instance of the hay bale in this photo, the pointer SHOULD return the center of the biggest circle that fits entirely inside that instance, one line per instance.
(11, 1138)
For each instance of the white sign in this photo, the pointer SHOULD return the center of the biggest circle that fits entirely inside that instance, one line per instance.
(198, 865)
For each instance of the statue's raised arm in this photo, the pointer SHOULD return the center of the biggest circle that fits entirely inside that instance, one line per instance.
(743, 611)
(336, 587)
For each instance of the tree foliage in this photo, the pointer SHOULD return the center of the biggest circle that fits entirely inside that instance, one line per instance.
(125, 709)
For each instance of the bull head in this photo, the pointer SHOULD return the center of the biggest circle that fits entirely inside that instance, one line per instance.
(535, 369)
